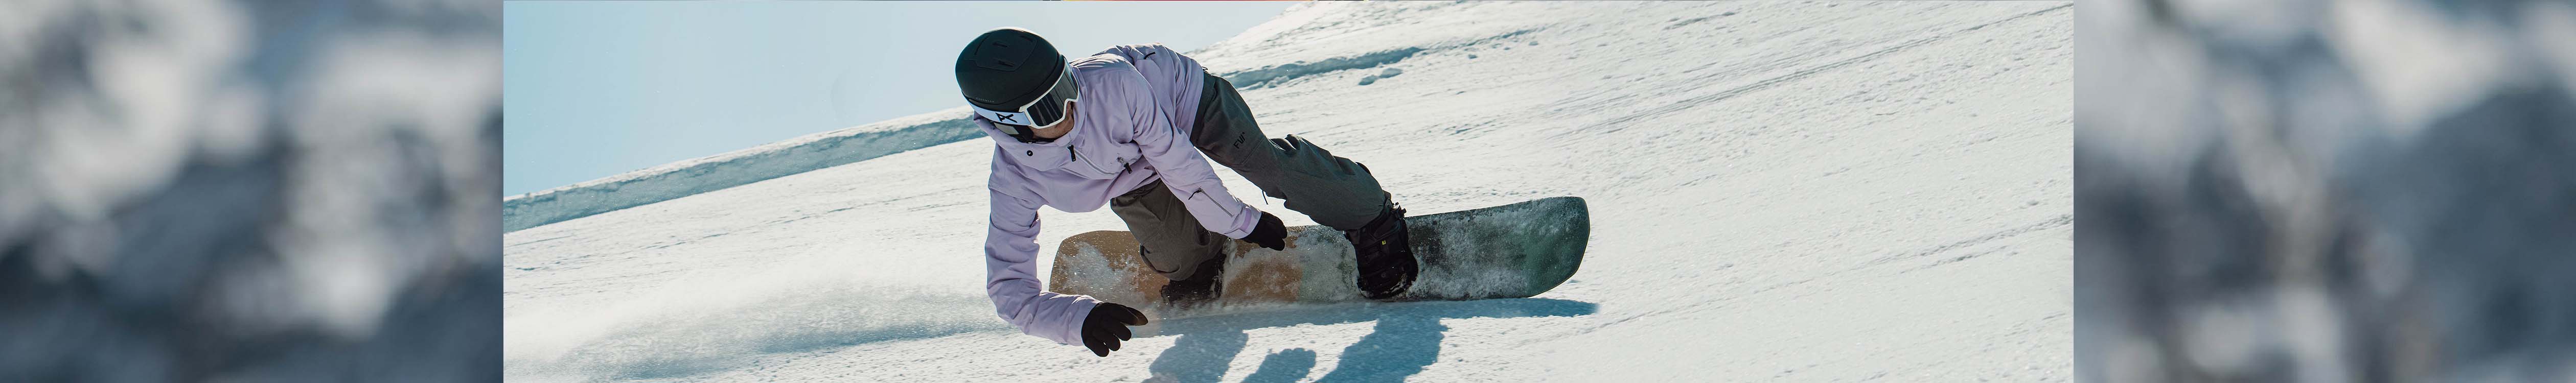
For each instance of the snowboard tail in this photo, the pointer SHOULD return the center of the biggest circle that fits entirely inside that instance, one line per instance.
(1509, 251)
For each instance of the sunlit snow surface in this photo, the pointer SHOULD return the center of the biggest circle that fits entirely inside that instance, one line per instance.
(1799, 191)
(2326, 191)
(249, 191)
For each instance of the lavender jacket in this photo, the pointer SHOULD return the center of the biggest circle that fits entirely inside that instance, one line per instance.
(1131, 126)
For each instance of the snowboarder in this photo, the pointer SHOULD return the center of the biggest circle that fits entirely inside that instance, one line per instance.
(1133, 127)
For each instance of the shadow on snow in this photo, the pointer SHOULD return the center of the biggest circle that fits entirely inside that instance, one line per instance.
(1406, 339)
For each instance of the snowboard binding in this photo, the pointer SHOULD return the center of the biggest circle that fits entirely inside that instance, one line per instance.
(1385, 253)
(1202, 287)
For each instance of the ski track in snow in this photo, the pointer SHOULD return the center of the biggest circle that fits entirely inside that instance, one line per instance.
(1780, 191)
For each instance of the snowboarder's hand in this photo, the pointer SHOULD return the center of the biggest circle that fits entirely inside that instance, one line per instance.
(1269, 233)
(1107, 325)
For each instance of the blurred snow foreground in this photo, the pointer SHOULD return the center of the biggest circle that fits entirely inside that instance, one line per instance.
(2326, 191)
(249, 191)
(1780, 191)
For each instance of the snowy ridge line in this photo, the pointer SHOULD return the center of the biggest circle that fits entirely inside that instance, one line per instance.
(835, 148)
(1622, 122)
(716, 172)
(1277, 74)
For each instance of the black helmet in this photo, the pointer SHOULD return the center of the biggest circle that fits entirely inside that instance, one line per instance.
(1014, 77)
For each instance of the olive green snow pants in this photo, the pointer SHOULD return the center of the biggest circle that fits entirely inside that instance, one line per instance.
(1331, 190)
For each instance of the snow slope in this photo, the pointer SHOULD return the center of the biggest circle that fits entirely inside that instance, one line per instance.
(1780, 191)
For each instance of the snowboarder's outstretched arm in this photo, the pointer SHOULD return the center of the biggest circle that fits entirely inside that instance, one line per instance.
(1010, 267)
(1185, 171)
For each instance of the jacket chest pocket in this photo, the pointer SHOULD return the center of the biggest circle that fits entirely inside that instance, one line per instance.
(1101, 162)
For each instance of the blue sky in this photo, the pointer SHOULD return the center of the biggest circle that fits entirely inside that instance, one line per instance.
(593, 89)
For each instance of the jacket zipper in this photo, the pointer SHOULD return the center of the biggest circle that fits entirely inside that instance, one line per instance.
(1077, 156)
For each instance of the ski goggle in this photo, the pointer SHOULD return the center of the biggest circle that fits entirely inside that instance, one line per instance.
(1041, 113)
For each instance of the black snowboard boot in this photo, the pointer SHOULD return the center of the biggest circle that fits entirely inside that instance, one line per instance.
(1202, 287)
(1385, 252)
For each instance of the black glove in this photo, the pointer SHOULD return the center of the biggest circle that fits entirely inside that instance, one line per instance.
(1269, 233)
(1107, 325)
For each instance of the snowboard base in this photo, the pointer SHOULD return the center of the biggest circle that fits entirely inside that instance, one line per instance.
(1509, 251)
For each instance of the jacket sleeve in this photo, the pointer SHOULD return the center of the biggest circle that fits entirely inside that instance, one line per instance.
(1010, 267)
(1176, 78)
(1183, 169)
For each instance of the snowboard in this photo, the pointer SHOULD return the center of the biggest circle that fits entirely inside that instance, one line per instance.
(1509, 251)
